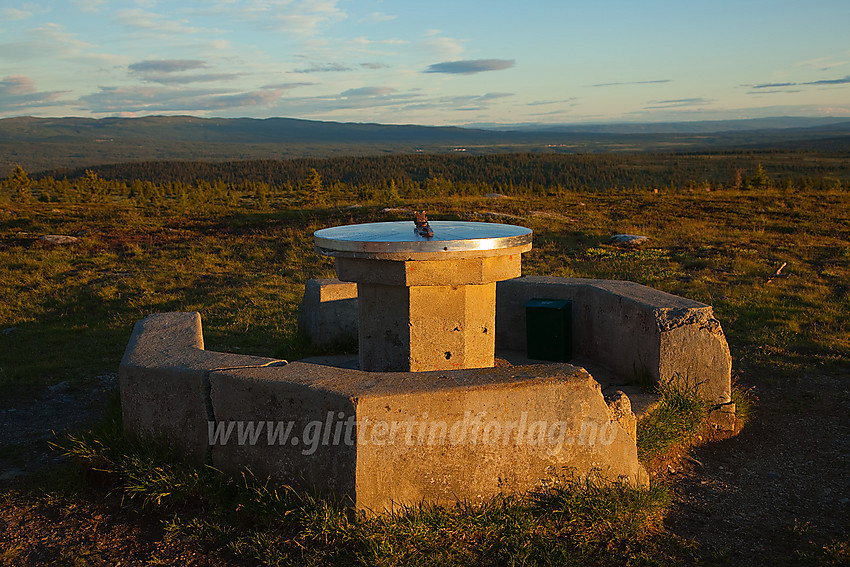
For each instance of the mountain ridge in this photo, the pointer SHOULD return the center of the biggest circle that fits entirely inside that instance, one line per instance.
(39, 144)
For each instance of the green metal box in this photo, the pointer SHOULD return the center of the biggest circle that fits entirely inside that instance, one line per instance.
(549, 329)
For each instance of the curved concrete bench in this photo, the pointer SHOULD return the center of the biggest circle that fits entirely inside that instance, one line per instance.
(380, 439)
(637, 333)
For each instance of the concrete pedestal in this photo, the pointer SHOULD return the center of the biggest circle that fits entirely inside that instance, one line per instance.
(426, 303)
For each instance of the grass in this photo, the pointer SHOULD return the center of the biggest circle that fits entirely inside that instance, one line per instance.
(245, 269)
(677, 418)
(568, 522)
(68, 311)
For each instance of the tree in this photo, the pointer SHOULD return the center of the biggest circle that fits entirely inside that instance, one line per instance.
(314, 181)
(91, 188)
(760, 179)
(314, 188)
(21, 186)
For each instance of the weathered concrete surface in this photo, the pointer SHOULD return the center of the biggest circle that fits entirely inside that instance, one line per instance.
(428, 314)
(391, 439)
(163, 381)
(381, 439)
(463, 271)
(328, 313)
(418, 328)
(621, 410)
(636, 331)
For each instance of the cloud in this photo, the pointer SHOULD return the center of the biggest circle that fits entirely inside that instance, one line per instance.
(286, 86)
(824, 63)
(377, 17)
(471, 66)
(545, 102)
(19, 91)
(17, 85)
(13, 14)
(323, 68)
(773, 85)
(374, 65)
(300, 19)
(784, 87)
(842, 81)
(367, 92)
(91, 6)
(113, 100)
(362, 41)
(150, 21)
(186, 79)
(443, 46)
(653, 82)
(61, 39)
(171, 72)
(462, 103)
(679, 102)
(166, 65)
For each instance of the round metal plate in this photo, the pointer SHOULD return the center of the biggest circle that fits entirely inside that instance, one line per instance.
(392, 238)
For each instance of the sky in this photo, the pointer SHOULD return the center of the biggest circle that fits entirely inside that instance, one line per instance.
(432, 62)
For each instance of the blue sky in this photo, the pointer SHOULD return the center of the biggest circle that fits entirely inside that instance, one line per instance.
(427, 61)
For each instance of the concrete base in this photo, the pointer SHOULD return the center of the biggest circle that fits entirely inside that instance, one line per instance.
(418, 328)
(336, 322)
(625, 333)
(382, 440)
(427, 314)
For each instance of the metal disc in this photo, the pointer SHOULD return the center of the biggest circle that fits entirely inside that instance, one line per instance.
(393, 238)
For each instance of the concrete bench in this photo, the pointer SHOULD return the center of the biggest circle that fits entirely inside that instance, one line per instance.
(637, 333)
(379, 439)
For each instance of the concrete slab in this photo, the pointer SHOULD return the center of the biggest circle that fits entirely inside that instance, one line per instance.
(386, 440)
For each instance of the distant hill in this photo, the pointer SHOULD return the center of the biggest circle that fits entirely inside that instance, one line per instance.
(39, 144)
(689, 127)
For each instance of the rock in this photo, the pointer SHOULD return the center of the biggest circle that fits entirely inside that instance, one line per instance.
(11, 474)
(621, 410)
(723, 418)
(629, 239)
(495, 196)
(59, 388)
(58, 239)
(549, 215)
(643, 404)
(495, 215)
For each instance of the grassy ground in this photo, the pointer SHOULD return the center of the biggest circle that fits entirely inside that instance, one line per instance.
(67, 312)
(72, 307)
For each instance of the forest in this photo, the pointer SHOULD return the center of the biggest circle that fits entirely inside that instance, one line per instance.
(301, 182)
